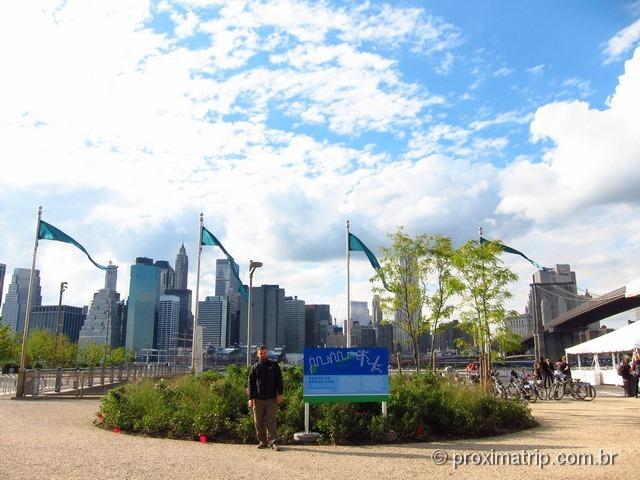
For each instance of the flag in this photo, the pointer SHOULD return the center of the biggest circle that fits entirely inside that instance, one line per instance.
(208, 238)
(508, 249)
(46, 231)
(356, 245)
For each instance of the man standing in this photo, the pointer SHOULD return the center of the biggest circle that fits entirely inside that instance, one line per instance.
(265, 392)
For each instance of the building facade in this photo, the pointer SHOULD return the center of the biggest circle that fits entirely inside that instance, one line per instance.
(182, 269)
(14, 308)
(317, 322)
(102, 324)
(3, 272)
(226, 281)
(45, 317)
(294, 335)
(268, 317)
(212, 317)
(167, 276)
(167, 329)
(142, 309)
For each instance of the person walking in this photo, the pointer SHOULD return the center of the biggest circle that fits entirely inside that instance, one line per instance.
(265, 393)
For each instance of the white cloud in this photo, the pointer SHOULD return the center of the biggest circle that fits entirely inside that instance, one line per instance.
(536, 70)
(502, 72)
(505, 117)
(622, 42)
(593, 161)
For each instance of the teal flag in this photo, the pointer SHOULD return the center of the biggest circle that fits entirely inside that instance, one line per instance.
(208, 238)
(508, 249)
(356, 245)
(49, 232)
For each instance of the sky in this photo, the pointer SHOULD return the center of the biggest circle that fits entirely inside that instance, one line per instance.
(280, 121)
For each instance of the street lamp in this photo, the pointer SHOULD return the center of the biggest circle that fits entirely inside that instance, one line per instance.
(252, 268)
(63, 287)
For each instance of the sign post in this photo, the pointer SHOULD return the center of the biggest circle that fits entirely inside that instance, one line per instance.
(333, 375)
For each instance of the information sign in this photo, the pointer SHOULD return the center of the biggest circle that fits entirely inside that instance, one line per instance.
(346, 375)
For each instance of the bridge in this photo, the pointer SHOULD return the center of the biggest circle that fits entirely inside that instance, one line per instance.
(554, 337)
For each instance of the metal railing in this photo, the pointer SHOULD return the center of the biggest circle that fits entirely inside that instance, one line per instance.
(80, 381)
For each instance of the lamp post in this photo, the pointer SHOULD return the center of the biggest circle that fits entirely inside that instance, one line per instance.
(63, 287)
(252, 268)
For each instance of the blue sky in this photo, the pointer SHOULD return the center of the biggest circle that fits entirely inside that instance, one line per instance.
(281, 120)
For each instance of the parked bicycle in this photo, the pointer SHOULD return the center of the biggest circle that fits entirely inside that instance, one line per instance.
(564, 385)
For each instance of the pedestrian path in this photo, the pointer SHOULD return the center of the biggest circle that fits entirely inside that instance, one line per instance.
(55, 439)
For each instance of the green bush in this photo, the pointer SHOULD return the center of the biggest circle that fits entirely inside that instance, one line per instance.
(421, 407)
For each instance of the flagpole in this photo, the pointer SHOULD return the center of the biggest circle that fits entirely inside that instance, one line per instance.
(348, 325)
(195, 317)
(27, 317)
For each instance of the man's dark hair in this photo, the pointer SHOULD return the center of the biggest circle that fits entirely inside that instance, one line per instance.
(260, 347)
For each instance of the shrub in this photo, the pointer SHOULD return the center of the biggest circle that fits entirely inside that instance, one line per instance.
(421, 407)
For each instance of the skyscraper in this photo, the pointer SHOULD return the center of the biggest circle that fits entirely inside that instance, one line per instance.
(167, 276)
(212, 317)
(185, 317)
(103, 322)
(111, 277)
(294, 325)
(182, 269)
(3, 271)
(15, 303)
(45, 317)
(144, 296)
(226, 281)
(376, 317)
(167, 331)
(317, 322)
(360, 312)
(267, 318)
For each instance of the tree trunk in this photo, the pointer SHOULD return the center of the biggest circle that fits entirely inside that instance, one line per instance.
(433, 354)
(416, 354)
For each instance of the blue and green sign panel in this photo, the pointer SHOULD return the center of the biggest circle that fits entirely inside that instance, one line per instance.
(346, 375)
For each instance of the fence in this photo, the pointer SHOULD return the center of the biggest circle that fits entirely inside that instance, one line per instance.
(80, 381)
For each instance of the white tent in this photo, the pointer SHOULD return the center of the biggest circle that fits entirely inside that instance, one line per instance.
(624, 339)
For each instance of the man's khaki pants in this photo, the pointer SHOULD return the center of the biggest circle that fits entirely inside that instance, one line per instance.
(264, 416)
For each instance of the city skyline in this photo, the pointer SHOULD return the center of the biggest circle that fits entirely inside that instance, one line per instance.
(282, 123)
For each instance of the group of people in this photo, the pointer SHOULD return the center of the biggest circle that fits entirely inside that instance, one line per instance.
(630, 373)
(544, 369)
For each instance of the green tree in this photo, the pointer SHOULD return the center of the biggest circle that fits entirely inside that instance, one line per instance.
(120, 356)
(485, 279)
(66, 352)
(93, 354)
(8, 345)
(443, 281)
(402, 267)
(40, 348)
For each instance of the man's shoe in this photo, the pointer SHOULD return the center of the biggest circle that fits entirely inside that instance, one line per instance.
(275, 447)
(262, 445)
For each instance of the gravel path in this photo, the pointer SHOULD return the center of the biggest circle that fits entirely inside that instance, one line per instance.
(55, 439)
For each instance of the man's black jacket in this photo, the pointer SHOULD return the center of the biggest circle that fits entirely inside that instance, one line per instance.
(265, 380)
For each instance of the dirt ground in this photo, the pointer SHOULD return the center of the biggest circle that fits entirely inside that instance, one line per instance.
(55, 439)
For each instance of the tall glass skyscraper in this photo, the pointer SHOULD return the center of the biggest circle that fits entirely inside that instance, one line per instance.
(144, 297)
(226, 282)
(15, 303)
